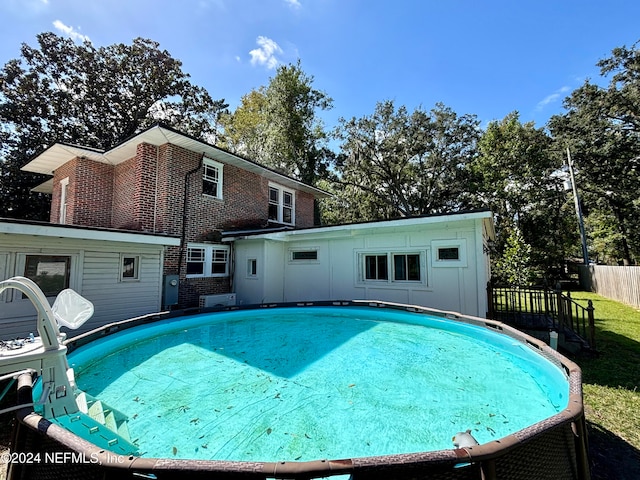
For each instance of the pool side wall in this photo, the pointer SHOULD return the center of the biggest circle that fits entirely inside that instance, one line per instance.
(553, 449)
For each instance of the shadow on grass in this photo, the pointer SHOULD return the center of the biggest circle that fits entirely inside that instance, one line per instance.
(617, 363)
(611, 457)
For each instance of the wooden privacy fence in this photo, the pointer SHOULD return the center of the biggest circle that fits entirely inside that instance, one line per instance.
(617, 283)
(539, 308)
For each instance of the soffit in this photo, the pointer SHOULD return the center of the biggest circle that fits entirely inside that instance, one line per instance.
(58, 154)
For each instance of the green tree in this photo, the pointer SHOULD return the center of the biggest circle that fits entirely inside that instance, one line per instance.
(514, 267)
(279, 125)
(63, 91)
(396, 163)
(602, 128)
(514, 176)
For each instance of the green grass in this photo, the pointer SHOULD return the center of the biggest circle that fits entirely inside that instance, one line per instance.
(610, 382)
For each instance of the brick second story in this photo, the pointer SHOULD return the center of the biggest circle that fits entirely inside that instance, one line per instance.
(159, 178)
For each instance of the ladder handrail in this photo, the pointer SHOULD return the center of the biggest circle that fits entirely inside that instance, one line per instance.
(47, 326)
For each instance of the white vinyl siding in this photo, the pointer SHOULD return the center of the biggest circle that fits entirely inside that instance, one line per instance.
(96, 275)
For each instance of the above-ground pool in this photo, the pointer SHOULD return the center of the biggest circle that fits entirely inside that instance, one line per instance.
(300, 384)
(363, 390)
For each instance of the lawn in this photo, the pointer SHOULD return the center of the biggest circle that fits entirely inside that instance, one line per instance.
(611, 396)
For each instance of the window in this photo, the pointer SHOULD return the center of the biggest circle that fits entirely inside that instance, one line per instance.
(376, 267)
(302, 255)
(129, 270)
(207, 261)
(393, 267)
(406, 267)
(219, 259)
(50, 272)
(64, 187)
(281, 204)
(195, 261)
(449, 253)
(252, 267)
(212, 178)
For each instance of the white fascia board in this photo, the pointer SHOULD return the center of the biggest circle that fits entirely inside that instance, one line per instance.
(354, 229)
(86, 234)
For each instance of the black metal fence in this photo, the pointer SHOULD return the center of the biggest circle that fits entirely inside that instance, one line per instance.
(540, 308)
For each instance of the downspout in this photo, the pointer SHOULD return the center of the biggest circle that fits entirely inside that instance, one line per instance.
(155, 193)
(185, 202)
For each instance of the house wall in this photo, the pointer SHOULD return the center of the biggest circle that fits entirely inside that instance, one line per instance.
(336, 275)
(95, 274)
(89, 194)
(146, 193)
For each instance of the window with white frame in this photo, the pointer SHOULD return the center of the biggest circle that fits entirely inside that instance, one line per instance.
(252, 267)
(307, 255)
(64, 187)
(375, 267)
(130, 268)
(212, 178)
(50, 272)
(449, 253)
(207, 261)
(281, 204)
(390, 267)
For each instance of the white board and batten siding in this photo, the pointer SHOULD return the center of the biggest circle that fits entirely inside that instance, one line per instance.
(95, 273)
(335, 270)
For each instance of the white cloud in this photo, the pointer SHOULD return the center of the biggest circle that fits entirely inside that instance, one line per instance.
(266, 52)
(293, 3)
(70, 31)
(552, 98)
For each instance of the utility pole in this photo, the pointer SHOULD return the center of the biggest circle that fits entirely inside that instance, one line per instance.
(576, 199)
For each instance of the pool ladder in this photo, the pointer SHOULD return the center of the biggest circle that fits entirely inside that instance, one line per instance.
(61, 401)
(100, 424)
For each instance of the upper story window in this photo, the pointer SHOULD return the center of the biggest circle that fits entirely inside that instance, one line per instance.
(207, 261)
(281, 204)
(64, 187)
(212, 178)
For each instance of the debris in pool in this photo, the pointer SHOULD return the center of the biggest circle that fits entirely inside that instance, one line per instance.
(269, 431)
(205, 445)
(183, 408)
(352, 385)
(464, 439)
(195, 421)
(137, 399)
(174, 450)
(493, 432)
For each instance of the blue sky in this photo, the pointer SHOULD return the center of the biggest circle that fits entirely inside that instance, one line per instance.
(486, 58)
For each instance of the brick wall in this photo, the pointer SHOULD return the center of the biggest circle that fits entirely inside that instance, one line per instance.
(146, 193)
(134, 191)
(68, 170)
(89, 194)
